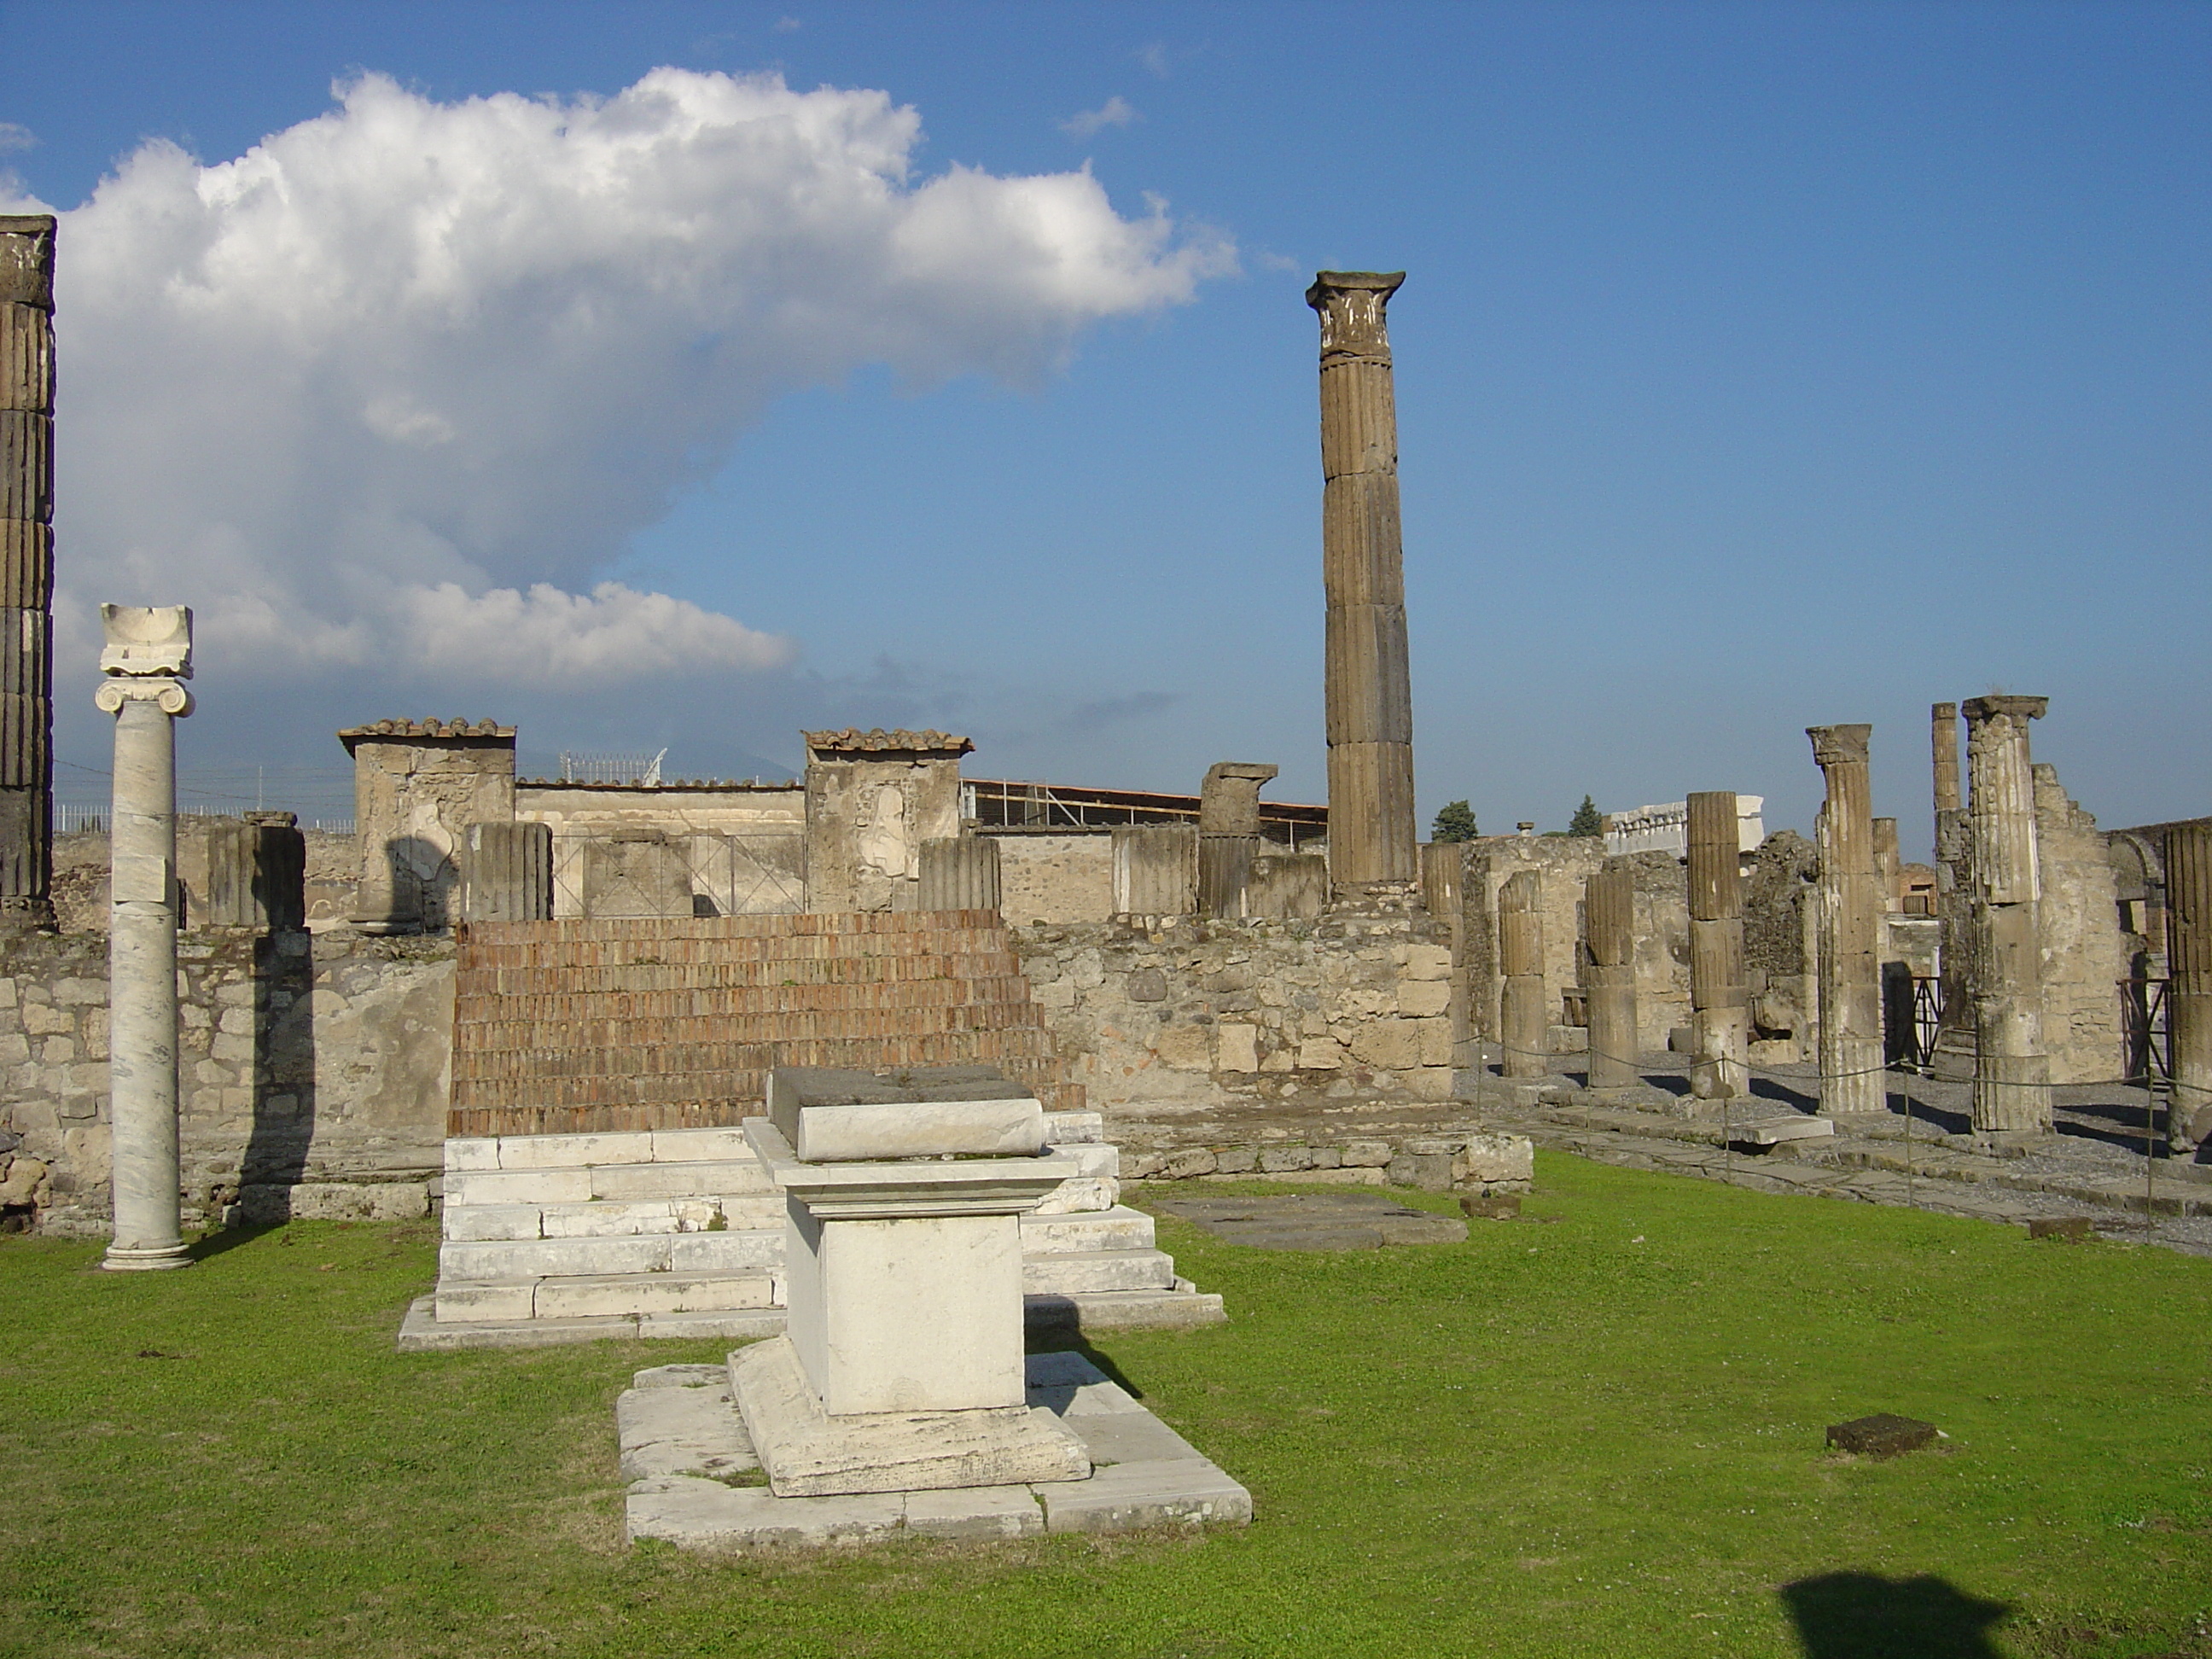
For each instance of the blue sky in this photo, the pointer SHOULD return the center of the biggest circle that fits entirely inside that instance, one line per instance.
(1758, 367)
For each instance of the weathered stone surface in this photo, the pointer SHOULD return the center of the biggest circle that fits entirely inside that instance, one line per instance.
(1882, 1435)
(836, 1117)
(809, 1452)
(2012, 1070)
(1315, 1221)
(1720, 1017)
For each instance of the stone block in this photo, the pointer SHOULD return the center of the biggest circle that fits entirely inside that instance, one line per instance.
(1091, 1158)
(865, 1133)
(1184, 1166)
(1239, 1046)
(572, 1152)
(1118, 1229)
(1077, 1196)
(519, 1187)
(1421, 999)
(1065, 1129)
(683, 1377)
(1364, 1154)
(1075, 1273)
(1148, 985)
(1320, 1054)
(1393, 1045)
(1490, 1158)
(1185, 1048)
(975, 1512)
(653, 1292)
(1124, 1496)
(1237, 1160)
(685, 1430)
(614, 1219)
(687, 1180)
(808, 1453)
(727, 1252)
(726, 1324)
(503, 1299)
(568, 1257)
(1425, 1165)
(709, 1516)
(476, 1224)
(1274, 1158)
(1883, 1435)
(700, 1145)
(1566, 1039)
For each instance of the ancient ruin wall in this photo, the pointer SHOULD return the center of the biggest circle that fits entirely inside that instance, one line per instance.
(311, 1076)
(1288, 1014)
(1045, 878)
(2078, 918)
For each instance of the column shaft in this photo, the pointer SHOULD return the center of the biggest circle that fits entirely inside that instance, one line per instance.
(1849, 912)
(1720, 1004)
(27, 512)
(1525, 1015)
(1609, 916)
(1372, 840)
(2188, 986)
(2012, 1073)
(143, 990)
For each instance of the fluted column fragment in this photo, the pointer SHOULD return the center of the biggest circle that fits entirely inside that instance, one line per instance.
(26, 567)
(2012, 1070)
(1849, 919)
(1719, 1002)
(1609, 915)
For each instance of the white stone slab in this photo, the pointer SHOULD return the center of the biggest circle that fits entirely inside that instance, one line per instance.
(1118, 1229)
(1078, 1197)
(934, 1128)
(731, 1325)
(649, 1293)
(472, 1152)
(550, 1257)
(571, 1152)
(519, 1187)
(1773, 1131)
(1074, 1129)
(687, 1430)
(498, 1299)
(420, 1332)
(700, 1145)
(1092, 1160)
(1123, 1497)
(483, 1223)
(1098, 1270)
(975, 1512)
(706, 1515)
(614, 1219)
(808, 1453)
(753, 1251)
(701, 1180)
(683, 1377)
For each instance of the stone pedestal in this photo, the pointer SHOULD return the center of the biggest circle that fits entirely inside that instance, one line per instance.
(903, 1365)
(27, 567)
(148, 657)
(1371, 834)
(1848, 907)
(2012, 1069)
(959, 873)
(2189, 987)
(1609, 910)
(1524, 1013)
(1719, 1002)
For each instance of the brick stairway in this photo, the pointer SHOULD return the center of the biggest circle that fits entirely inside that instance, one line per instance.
(588, 1027)
(596, 1182)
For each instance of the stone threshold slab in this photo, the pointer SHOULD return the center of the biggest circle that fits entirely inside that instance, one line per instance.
(421, 1331)
(683, 1444)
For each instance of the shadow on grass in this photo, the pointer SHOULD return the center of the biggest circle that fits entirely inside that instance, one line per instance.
(228, 1238)
(1862, 1615)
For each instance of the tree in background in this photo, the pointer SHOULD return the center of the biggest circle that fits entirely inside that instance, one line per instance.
(1587, 820)
(1455, 822)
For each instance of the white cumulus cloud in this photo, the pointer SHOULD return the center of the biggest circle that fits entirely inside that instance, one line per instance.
(1115, 111)
(392, 388)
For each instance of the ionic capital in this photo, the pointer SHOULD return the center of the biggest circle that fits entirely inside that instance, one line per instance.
(1351, 304)
(1833, 745)
(171, 694)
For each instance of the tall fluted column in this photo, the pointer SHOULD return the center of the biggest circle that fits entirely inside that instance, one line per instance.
(1524, 1017)
(1371, 838)
(27, 567)
(149, 656)
(1609, 915)
(1719, 1002)
(2188, 988)
(1943, 744)
(1850, 917)
(2012, 1073)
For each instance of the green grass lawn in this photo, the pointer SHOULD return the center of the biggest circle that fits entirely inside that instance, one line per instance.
(1600, 1437)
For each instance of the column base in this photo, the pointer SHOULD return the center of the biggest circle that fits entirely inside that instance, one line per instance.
(154, 1259)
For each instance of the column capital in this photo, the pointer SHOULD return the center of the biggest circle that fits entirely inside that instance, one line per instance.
(1832, 745)
(1351, 304)
(173, 695)
(26, 259)
(1978, 709)
(1942, 711)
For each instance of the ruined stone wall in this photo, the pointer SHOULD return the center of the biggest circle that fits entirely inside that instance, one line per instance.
(2083, 954)
(1289, 1015)
(1662, 946)
(1045, 878)
(81, 861)
(312, 1074)
(740, 848)
(1563, 863)
(1780, 969)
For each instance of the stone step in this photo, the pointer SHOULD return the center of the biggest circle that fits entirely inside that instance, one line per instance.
(505, 1301)
(1118, 1229)
(624, 1182)
(755, 1250)
(490, 1223)
(1079, 1271)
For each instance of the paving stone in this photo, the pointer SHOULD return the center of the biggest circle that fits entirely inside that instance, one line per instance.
(976, 1512)
(1336, 1221)
(1126, 1496)
(706, 1515)
(682, 1377)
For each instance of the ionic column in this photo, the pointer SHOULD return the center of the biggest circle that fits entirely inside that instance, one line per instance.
(2189, 985)
(1609, 916)
(2012, 1073)
(1524, 1018)
(1371, 838)
(147, 657)
(27, 569)
(1849, 908)
(1720, 1004)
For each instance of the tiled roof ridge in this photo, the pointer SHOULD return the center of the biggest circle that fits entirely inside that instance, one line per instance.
(433, 728)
